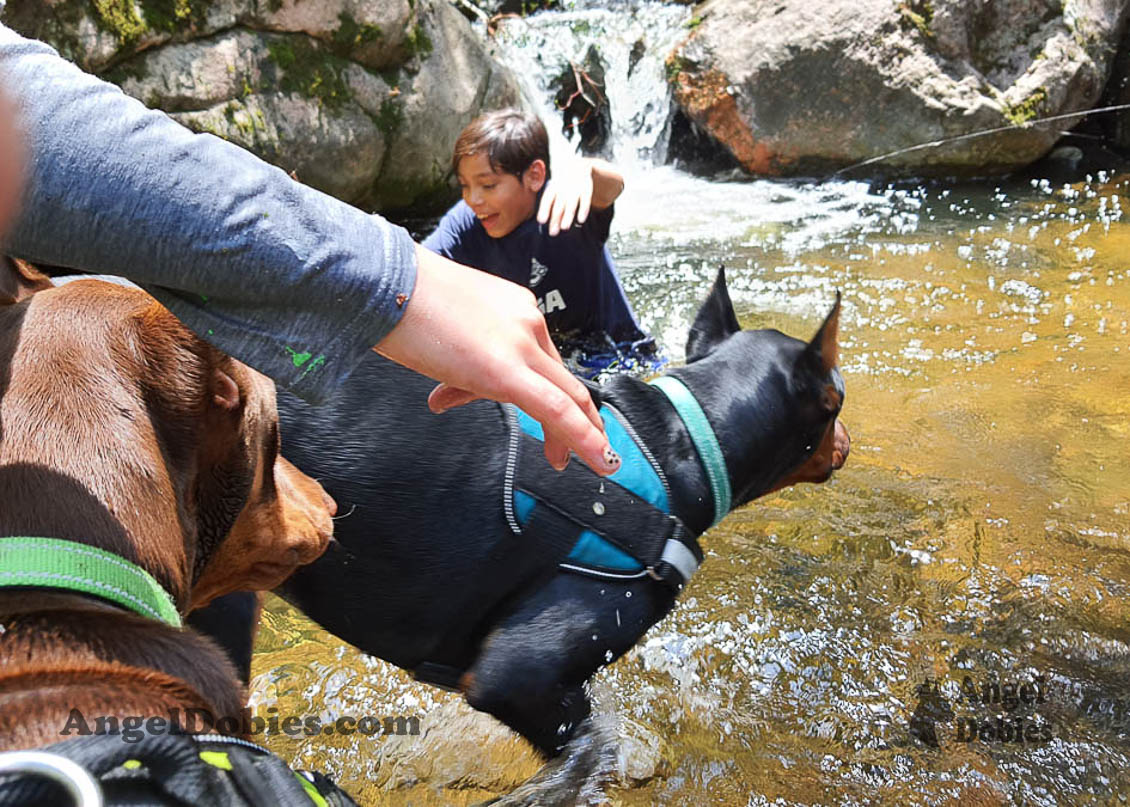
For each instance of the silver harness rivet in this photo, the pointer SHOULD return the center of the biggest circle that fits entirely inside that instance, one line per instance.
(598, 508)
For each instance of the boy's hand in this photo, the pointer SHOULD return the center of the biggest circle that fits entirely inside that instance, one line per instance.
(572, 193)
(566, 197)
(483, 337)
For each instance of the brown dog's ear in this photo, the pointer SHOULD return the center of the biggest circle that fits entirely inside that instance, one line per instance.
(225, 392)
(715, 321)
(824, 349)
(19, 279)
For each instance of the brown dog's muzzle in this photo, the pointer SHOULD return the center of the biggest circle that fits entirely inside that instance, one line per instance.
(270, 540)
(306, 512)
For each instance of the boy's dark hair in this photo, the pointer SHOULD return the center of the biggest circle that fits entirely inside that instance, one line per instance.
(510, 139)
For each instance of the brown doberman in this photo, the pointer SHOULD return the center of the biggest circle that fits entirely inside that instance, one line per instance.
(121, 431)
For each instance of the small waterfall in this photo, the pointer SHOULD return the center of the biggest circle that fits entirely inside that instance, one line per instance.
(622, 48)
(664, 209)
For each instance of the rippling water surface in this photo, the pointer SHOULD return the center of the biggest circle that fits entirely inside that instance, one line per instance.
(841, 641)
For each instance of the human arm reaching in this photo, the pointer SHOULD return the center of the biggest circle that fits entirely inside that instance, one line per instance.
(484, 337)
(291, 281)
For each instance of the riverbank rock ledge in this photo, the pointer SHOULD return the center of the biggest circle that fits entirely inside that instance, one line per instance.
(795, 87)
(362, 99)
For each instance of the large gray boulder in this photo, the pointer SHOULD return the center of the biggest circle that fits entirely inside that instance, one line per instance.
(791, 86)
(457, 81)
(362, 99)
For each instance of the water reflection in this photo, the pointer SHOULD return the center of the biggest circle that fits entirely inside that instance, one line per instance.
(978, 533)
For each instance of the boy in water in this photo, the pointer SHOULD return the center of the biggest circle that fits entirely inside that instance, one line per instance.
(502, 162)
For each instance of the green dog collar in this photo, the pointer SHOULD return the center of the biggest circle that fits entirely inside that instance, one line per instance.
(55, 563)
(702, 435)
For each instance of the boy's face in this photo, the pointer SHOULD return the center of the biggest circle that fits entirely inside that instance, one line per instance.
(501, 201)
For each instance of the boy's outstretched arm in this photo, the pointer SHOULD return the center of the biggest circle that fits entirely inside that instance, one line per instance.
(582, 186)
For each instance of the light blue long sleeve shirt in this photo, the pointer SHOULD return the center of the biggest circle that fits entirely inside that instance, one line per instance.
(287, 279)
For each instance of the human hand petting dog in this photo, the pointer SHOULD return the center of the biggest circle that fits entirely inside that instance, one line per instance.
(483, 337)
(574, 191)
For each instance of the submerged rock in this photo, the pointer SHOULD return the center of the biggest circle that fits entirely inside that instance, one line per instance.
(792, 87)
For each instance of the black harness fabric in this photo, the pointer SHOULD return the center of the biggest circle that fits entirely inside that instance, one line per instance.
(634, 525)
(515, 562)
(171, 774)
(564, 509)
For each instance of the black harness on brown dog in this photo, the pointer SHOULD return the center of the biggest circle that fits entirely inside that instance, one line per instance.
(172, 769)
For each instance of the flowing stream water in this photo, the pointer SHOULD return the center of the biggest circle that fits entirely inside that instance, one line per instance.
(948, 620)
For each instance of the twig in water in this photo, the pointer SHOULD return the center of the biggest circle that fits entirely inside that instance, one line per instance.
(478, 12)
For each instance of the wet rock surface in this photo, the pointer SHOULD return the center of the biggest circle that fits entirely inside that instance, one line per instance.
(790, 87)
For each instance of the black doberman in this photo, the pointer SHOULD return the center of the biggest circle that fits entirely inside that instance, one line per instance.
(441, 568)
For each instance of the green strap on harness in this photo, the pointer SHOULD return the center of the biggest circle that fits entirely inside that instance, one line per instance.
(60, 564)
(702, 435)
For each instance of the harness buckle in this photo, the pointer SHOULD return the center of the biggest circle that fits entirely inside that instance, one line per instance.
(83, 788)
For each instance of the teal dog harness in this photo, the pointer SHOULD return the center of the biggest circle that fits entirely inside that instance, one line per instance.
(618, 527)
(622, 525)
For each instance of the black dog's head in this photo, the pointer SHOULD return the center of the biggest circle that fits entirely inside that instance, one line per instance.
(772, 400)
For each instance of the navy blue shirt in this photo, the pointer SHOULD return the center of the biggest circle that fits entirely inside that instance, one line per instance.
(571, 273)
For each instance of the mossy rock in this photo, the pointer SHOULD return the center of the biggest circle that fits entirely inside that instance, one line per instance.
(337, 150)
(1029, 109)
(57, 24)
(309, 69)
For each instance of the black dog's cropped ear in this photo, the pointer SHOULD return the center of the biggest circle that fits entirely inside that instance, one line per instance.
(823, 352)
(714, 322)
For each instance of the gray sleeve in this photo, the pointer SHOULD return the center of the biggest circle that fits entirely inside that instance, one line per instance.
(291, 281)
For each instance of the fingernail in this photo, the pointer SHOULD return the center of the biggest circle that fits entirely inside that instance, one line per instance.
(611, 458)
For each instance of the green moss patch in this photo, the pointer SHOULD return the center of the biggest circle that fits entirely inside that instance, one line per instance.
(1028, 109)
(674, 65)
(418, 42)
(532, 6)
(918, 14)
(351, 34)
(248, 122)
(120, 18)
(128, 20)
(309, 71)
(174, 15)
(389, 117)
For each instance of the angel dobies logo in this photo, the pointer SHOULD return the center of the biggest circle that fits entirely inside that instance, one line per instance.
(988, 710)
